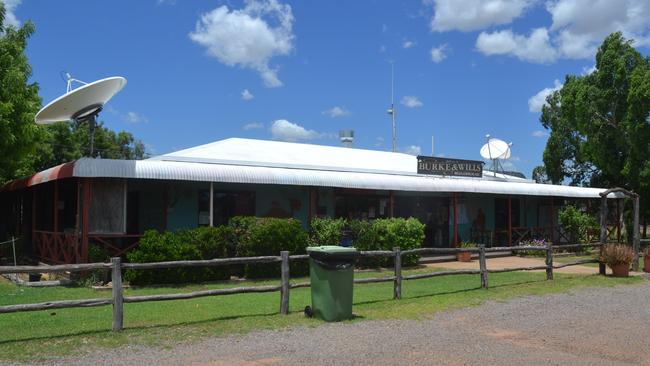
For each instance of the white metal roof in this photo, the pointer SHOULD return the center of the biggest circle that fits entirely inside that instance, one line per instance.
(230, 173)
(279, 154)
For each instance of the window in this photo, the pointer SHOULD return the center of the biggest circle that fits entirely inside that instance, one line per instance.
(230, 204)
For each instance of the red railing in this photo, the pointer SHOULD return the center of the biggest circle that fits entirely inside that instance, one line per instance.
(57, 247)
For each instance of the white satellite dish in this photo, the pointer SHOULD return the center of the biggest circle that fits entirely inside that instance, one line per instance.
(495, 150)
(82, 104)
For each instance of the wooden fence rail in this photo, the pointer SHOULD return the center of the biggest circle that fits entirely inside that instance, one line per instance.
(118, 299)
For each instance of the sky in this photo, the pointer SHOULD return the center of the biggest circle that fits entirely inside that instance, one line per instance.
(199, 71)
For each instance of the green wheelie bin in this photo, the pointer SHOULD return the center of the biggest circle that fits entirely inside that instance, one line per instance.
(331, 269)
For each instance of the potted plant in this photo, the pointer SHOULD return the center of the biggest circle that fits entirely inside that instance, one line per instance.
(618, 257)
(465, 256)
(646, 260)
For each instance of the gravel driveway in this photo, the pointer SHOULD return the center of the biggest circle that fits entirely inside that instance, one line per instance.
(597, 326)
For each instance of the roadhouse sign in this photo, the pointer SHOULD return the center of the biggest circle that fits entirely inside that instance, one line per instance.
(453, 167)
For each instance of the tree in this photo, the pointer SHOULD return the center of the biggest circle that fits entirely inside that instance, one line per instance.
(19, 101)
(67, 141)
(599, 123)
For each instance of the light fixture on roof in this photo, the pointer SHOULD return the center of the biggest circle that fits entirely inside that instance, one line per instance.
(496, 150)
(82, 104)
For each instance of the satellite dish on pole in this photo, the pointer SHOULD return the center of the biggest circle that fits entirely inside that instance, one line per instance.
(82, 104)
(495, 150)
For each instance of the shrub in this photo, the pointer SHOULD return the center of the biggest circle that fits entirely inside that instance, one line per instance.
(534, 253)
(364, 238)
(467, 244)
(326, 231)
(385, 234)
(211, 242)
(576, 223)
(268, 236)
(614, 254)
(167, 246)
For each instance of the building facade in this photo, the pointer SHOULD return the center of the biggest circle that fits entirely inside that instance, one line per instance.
(61, 211)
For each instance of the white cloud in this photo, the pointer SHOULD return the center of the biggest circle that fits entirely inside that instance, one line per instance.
(535, 48)
(336, 111)
(382, 49)
(10, 9)
(583, 24)
(134, 117)
(248, 37)
(578, 27)
(253, 126)
(247, 95)
(471, 15)
(537, 101)
(539, 133)
(411, 101)
(588, 70)
(409, 44)
(379, 141)
(413, 150)
(287, 131)
(438, 53)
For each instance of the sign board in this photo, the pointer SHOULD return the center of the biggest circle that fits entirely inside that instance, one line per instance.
(450, 167)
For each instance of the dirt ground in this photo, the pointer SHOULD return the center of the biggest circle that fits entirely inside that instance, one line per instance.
(513, 262)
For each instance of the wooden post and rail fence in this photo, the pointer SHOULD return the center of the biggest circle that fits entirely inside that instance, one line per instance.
(118, 299)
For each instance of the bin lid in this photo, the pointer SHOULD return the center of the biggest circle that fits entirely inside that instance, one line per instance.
(332, 249)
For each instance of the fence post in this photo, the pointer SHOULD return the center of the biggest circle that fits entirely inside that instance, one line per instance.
(118, 296)
(603, 233)
(397, 283)
(483, 266)
(636, 235)
(13, 245)
(549, 260)
(284, 288)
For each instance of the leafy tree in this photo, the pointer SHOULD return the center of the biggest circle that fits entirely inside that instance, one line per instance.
(19, 101)
(599, 123)
(67, 141)
(26, 147)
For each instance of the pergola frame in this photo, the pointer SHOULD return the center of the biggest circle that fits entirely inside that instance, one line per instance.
(603, 224)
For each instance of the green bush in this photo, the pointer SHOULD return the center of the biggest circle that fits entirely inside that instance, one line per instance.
(167, 246)
(212, 242)
(385, 234)
(269, 236)
(326, 231)
(576, 223)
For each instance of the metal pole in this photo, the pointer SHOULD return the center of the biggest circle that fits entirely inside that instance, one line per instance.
(211, 204)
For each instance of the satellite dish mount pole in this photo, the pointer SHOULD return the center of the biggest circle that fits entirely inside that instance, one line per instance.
(92, 122)
(391, 110)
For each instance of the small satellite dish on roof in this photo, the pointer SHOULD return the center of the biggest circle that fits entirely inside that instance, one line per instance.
(82, 104)
(495, 150)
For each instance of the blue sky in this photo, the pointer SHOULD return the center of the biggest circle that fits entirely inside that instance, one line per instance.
(201, 71)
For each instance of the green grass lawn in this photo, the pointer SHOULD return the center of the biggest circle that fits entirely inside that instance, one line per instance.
(36, 335)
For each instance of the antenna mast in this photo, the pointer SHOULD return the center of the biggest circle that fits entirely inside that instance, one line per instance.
(391, 110)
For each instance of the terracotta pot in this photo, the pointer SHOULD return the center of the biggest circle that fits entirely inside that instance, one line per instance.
(621, 270)
(646, 264)
(464, 256)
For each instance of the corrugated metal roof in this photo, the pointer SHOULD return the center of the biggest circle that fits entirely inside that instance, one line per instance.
(279, 154)
(211, 172)
(272, 162)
